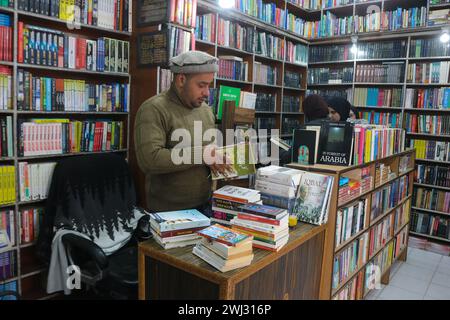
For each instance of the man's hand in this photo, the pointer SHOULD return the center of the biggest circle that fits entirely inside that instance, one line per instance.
(218, 163)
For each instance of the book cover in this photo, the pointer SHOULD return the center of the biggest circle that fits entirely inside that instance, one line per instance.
(304, 146)
(264, 210)
(227, 94)
(335, 144)
(224, 235)
(241, 159)
(312, 197)
(175, 220)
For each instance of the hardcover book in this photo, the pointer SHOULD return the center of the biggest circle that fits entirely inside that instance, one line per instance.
(240, 157)
(335, 144)
(224, 235)
(304, 146)
(264, 210)
(313, 195)
(227, 94)
(175, 220)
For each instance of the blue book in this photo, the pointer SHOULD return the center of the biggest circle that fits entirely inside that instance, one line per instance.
(177, 220)
(48, 85)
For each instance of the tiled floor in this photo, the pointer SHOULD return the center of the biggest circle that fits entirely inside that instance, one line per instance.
(424, 276)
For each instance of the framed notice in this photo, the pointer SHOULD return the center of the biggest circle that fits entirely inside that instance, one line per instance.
(153, 49)
(153, 12)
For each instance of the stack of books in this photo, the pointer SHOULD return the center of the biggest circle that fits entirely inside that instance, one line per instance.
(227, 200)
(278, 186)
(269, 226)
(174, 229)
(223, 248)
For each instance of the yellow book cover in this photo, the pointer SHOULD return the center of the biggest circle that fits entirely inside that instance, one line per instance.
(50, 120)
(13, 183)
(113, 131)
(62, 9)
(70, 10)
(368, 145)
(2, 185)
(120, 136)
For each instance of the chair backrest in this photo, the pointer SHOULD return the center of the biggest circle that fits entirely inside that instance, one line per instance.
(92, 194)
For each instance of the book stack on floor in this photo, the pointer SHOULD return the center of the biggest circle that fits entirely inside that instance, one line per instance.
(174, 229)
(269, 226)
(227, 200)
(278, 186)
(223, 248)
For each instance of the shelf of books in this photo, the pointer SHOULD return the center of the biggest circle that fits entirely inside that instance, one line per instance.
(60, 73)
(368, 223)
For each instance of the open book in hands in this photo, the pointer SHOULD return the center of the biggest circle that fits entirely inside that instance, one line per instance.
(240, 159)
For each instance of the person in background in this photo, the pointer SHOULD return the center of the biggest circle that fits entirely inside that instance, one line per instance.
(353, 113)
(339, 109)
(315, 109)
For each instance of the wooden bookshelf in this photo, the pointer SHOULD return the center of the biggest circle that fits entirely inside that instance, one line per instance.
(30, 272)
(332, 249)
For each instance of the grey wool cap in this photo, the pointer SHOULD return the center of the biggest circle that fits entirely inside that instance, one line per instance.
(194, 62)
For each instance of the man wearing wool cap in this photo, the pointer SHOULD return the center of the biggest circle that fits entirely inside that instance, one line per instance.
(170, 185)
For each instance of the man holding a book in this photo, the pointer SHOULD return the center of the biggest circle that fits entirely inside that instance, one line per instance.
(160, 119)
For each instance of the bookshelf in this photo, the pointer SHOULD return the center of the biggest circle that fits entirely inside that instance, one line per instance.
(390, 220)
(29, 274)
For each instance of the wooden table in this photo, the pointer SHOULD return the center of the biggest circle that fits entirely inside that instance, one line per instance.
(292, 273)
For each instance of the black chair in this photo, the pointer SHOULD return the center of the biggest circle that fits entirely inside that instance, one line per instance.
(95, 195)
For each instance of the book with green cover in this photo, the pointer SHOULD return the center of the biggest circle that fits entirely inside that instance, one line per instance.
(227, 94)
(241, 159)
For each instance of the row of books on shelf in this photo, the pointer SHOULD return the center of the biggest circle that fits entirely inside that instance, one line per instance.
(31, 220)
(380, 234)
(367, 278)
(8, 286)
(265, 74)
(266, 102)
(388, 197)
(234, 68)
(438, 17)
(205, 27)
(433, 175)
(437, 98)
(6, 38)
(431, 199)
(343, 93)
(428, 124)
(6, 137)
(60, 136)
(349, 259)
(108, 14)
(49, 47)
(431, 47)
(180, 41)
(427, 73)
(351, 188)
(291, 104)
(51, 94)
(337, 52)
(8, 265)
(7, 3)
(377, 97)
(289, 125)
(6, 83)
(232, 34)
(7, 229)
(381, 118)
(293, 79)
(8, 184)
(431, 225)
(270, 46)
(387, 72)
(34, 180)
(330, 75)
(350, 221)
(431, 150)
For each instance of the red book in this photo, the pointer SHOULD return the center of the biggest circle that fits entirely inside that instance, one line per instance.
(82, 52)
(78, 54)
(108, 137)
(31, 224)
(172, 5)
(252, 217)
(194, 15)
(174, 233)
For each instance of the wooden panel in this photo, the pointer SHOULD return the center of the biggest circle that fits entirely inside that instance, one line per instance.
(296, 275)
(167, 282)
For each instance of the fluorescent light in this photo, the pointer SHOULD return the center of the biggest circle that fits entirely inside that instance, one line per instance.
(445, 37)
(226, 3)
(354, 49)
